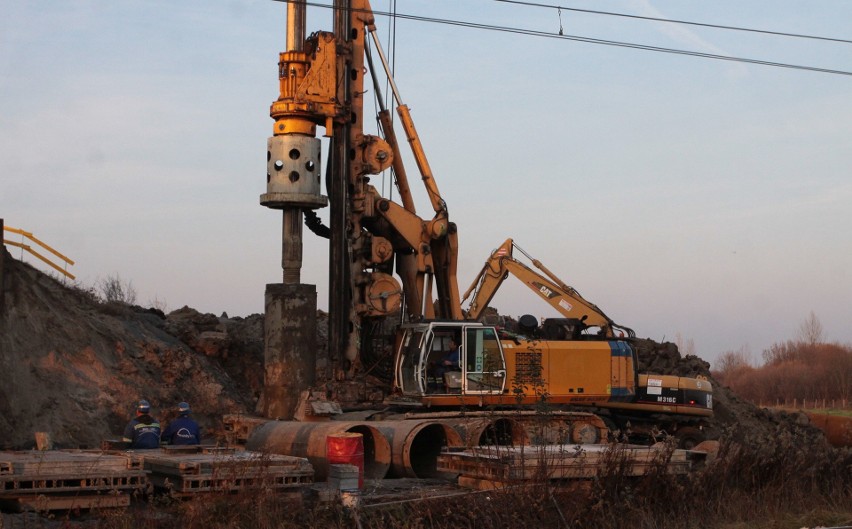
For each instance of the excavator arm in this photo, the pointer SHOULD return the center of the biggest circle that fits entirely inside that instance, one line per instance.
(565, 299)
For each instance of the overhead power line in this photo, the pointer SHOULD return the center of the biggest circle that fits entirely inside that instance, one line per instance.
(673, 21)
(590, 40)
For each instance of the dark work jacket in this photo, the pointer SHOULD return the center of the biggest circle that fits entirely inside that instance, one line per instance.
(182, 431)
(143, 432)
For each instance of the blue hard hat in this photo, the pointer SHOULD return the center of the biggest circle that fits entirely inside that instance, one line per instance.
(143, 406)
(183, 408)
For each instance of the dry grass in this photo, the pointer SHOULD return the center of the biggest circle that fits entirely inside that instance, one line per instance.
(774, 482)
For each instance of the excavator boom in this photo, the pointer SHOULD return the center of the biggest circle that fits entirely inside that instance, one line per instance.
(565, 299)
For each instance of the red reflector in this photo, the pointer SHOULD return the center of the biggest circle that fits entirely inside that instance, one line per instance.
(692, 402)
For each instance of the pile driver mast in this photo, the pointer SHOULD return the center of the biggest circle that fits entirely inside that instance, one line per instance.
(383, 257)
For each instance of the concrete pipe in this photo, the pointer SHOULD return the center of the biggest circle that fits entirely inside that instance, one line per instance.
(308, 439)
(485, 431)
(416, 445)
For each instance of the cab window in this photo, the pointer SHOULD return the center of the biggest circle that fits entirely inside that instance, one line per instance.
(484, 364)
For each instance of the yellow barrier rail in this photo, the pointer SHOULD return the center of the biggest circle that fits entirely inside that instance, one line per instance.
(44, 245)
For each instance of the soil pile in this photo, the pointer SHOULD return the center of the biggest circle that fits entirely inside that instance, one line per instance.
(733, 417)
(74, 367)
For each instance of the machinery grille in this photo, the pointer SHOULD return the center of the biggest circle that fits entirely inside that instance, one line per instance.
(528, 369)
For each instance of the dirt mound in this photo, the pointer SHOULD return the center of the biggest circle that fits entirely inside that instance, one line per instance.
(74, 366)
(838, 429)
(732, 417)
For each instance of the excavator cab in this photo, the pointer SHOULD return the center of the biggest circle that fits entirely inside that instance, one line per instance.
(420, 361)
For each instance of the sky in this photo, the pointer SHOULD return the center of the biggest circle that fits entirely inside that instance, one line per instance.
(695, 199)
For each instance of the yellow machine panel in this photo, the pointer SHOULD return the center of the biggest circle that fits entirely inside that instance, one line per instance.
(569, 371)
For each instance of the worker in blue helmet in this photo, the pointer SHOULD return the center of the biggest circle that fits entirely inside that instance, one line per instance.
(144, 430)
(183, 430)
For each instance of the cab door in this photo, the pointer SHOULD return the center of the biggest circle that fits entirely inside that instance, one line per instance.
(484, 366)
(410, 372)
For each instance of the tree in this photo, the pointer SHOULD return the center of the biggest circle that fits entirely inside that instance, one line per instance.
(685, 347)
(732, 361)
(781, 352)
(810, 330)
(115, 290)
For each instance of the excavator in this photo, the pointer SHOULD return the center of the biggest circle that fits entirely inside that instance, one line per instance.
(559, 362)
(660, 402)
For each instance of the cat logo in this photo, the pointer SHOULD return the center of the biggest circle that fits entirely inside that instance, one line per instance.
(545, 290)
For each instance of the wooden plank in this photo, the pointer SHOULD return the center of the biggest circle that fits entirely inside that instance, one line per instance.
(16, 485)
(509, 464)
(480, 484)
(64, 503)
(187, 485)
(208, 463)
(177, 468)
(58, 462)
(184, 473)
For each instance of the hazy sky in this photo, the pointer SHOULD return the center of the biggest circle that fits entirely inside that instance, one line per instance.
(684, 196)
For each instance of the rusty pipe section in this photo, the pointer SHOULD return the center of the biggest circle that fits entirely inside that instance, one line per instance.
(308, 439)
(416, 444)
(480, 431)
(569, 428)
(409, 448)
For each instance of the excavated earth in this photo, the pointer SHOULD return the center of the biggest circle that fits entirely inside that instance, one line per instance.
(73, 366)
(732, 416)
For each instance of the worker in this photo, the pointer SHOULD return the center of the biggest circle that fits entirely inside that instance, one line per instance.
(448, 362)
(143, 431)
(183, 430)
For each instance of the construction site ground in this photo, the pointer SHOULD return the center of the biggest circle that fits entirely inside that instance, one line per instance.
(73, 366)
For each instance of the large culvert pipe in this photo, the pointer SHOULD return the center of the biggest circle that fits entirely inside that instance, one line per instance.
(529, 429)
(489, 431)
(416, 444)
(308, 439)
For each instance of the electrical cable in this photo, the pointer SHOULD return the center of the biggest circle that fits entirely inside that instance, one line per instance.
(604, 42)
(674, 21)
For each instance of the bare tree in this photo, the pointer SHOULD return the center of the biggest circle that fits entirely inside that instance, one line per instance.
(686, 347)
(810, 330)
(115, 290)
(781, 352)
(159, 304)
(731, 361)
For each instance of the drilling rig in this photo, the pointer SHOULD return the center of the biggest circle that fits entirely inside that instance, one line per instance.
(321, 84)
